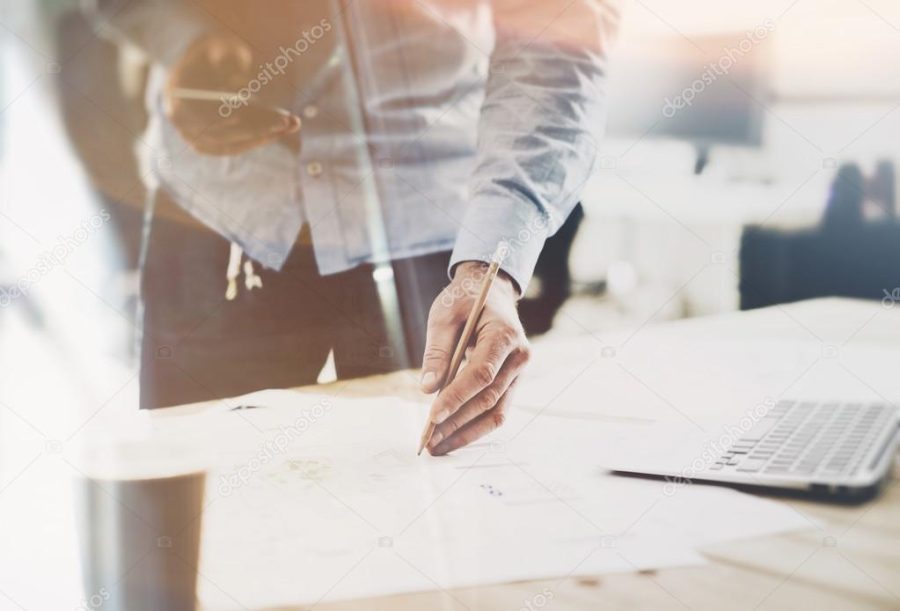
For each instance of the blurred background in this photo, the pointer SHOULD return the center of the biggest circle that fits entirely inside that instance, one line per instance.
(750, 161)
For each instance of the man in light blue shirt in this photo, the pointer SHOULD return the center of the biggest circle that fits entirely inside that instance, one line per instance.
(429, 127)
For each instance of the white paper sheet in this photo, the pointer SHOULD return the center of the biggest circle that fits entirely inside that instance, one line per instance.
(315, 498)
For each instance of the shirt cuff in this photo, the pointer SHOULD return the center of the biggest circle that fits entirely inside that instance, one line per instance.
(490, 221)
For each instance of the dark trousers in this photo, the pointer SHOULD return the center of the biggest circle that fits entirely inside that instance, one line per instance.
(198, 346)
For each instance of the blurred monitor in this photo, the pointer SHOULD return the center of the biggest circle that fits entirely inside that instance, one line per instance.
(667, 87)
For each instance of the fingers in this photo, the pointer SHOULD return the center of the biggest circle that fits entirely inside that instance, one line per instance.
(231, 135)
(494, 344)
(224, 53)
(477, 428)
(229, 50)
(292, 125)
(485, 400)
(440, 340)
(235, 141)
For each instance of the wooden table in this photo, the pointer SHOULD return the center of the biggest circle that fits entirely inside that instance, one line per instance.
(850, 561)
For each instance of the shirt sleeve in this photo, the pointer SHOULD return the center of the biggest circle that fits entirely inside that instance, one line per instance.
(162, 29)
(541, 121)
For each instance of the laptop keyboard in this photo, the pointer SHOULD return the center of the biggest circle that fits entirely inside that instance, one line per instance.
(807, 439)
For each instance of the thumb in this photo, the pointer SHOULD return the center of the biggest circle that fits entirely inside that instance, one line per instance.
(439, 343)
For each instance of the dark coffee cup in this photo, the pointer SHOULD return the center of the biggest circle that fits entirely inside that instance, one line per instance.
(140, 539)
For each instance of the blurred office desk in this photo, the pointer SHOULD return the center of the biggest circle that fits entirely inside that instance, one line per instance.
(849, 558)
(675, 230)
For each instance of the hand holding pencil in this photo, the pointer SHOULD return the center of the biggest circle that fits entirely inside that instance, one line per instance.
(476, 316)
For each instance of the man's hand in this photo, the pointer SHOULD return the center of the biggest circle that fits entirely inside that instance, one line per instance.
(476, 401)
(221, 63)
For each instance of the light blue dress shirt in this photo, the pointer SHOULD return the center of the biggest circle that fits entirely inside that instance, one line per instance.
(442, 125)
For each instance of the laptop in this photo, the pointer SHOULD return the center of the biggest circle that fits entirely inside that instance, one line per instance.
(839, 450)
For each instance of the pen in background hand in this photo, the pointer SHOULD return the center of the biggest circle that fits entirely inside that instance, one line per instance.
(229, 97)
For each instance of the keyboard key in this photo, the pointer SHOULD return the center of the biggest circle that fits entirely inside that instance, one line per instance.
(760, 429)
(752, 465)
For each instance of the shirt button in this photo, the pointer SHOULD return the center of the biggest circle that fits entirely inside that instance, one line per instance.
(310, 111)
(314, 168)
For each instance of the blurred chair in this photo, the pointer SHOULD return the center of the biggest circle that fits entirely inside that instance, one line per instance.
(552, 277)
(845, 256)
(844, 210)
(780, 267)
